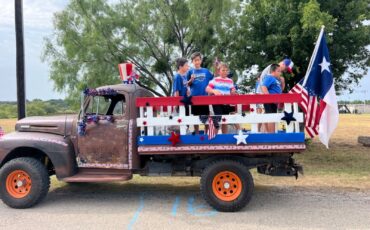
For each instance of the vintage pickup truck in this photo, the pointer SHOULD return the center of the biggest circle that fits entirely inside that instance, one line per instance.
(122, 130)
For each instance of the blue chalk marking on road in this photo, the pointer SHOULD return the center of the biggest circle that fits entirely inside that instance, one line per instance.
(175, 206)
(137, 213)
(195, 209)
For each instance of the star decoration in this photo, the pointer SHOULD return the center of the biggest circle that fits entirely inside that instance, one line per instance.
(174, 138)
(186, 100)
(203, 118)
(147, 104)
(252, 110)
(170, 117)
(223, 119)
(241, 138)
(144, 122)
(288, 117)
(325, 65)
(179, 120)
(141, 139)
(202, 138)
(243, 114)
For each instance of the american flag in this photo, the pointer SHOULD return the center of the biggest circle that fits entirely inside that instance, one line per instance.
(310, 107)
(128, 72)
(212, 130)
(319, 102)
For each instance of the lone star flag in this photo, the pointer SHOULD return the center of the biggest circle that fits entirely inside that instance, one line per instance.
(319, 102)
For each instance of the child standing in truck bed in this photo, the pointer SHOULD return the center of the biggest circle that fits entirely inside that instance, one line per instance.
(222, 85)
(198, 79)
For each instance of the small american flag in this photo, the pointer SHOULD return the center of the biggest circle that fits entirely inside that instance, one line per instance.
(2, 133)
(310, 107)
(212, 130)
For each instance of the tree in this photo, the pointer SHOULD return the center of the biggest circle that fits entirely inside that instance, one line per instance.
(270, 30)
(92, 37)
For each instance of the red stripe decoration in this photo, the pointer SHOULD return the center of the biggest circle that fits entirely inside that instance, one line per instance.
(212, 131)
(311, 108)
(218, 100)
(298, 89)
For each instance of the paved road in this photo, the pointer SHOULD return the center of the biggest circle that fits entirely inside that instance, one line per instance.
(144, 206)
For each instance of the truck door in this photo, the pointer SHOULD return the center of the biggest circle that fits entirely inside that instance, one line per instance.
(104, 144)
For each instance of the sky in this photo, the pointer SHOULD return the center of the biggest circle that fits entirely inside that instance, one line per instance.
(38, 24)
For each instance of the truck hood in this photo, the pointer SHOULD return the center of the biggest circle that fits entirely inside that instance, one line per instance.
(60, 125)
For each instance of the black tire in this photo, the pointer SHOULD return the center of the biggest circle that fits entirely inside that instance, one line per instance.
(213, 173)
(38, 180)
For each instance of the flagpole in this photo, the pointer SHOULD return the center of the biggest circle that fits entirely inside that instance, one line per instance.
(313, 56)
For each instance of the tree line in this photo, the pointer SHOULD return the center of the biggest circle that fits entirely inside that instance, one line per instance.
(35, 108)
(91, 37)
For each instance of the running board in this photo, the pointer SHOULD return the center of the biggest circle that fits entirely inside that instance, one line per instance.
(99, 175)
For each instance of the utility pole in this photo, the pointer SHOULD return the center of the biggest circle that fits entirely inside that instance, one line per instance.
(21, 92)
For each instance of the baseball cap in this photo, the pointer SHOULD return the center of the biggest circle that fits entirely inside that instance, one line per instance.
(289, 64)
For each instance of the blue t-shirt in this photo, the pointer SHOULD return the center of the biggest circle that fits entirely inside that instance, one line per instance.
(201, 80)
(180, 84)
(272, 84)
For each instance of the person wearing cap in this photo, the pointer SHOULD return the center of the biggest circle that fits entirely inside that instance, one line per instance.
(286, 65)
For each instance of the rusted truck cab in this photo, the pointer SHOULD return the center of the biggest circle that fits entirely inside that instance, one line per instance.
(123, 130)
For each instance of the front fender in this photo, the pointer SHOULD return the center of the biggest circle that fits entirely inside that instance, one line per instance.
(59, 149)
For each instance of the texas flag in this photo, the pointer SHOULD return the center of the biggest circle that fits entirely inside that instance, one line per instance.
(319, 102)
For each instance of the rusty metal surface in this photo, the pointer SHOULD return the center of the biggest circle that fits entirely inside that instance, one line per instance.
(99, 175)
(104, 143)
(107, 145)
(59, 150)
(60, 125)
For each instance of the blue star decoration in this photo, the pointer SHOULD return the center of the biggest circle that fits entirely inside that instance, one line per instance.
(186, 100)
(288, 117)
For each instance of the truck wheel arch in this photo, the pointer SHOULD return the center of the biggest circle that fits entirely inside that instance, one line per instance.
(32, 153)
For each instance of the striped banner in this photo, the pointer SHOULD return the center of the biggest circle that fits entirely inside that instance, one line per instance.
(255, 138)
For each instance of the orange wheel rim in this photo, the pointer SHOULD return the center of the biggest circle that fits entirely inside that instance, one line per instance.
(18, 184)
(227, 186)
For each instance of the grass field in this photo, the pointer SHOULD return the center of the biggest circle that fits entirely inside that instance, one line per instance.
(345, 164)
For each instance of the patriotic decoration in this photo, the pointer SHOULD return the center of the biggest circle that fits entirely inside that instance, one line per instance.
(289, 64)
(288, 117)
(128, 73)
(241, 138)
(100, 92)
(319, 101)
(81, 126)
(212, 130)
(174, 138)
(225, 139)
